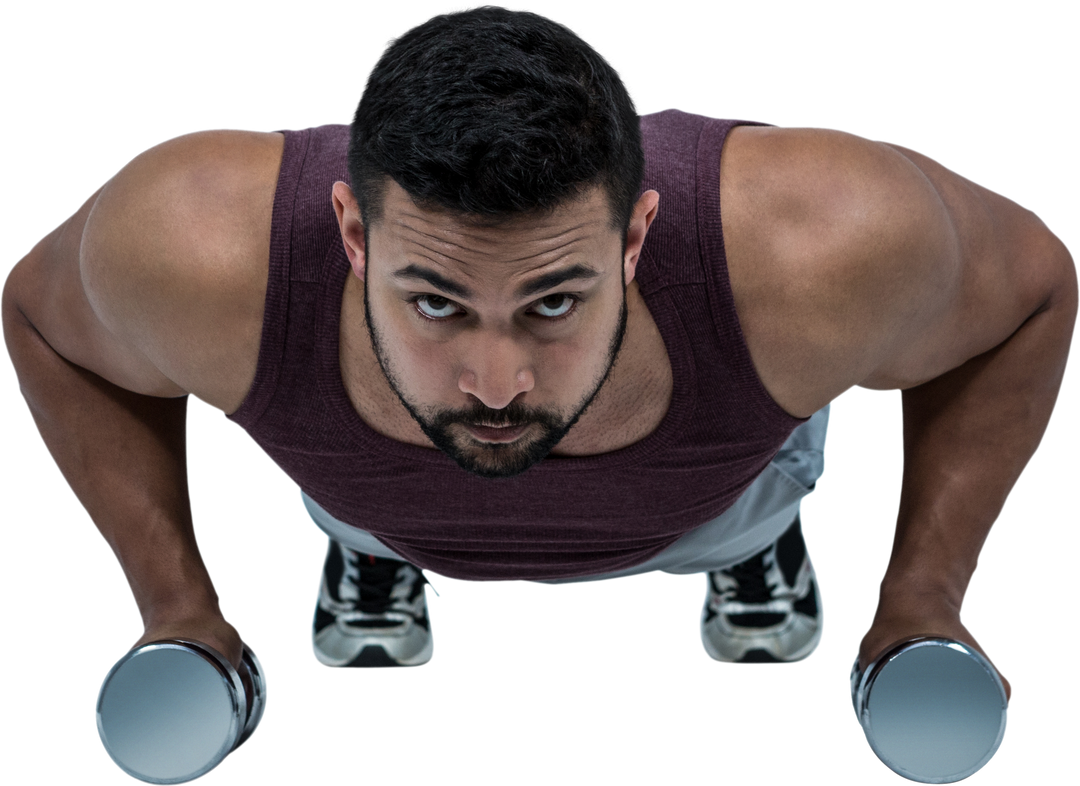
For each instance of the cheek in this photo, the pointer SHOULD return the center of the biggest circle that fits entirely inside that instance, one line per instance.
(426, 366)
(561, 362)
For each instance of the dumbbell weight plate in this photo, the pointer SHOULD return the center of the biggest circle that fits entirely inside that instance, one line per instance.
(933, 709)
(170, 711)
(258, 698)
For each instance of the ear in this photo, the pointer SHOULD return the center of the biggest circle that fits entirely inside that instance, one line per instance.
(351, 226)
(640, 221)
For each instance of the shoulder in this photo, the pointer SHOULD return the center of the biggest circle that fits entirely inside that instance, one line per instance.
(214, 177)
(835, 245)
(798, 193)
(174, 257)
(855, 262)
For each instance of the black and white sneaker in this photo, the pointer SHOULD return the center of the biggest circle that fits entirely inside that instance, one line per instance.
(766, 609)
(372, 612)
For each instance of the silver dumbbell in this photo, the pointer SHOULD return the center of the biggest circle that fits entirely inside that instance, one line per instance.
(933, 709)
(172, 710)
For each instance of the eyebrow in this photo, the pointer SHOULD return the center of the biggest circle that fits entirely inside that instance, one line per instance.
(541, 284)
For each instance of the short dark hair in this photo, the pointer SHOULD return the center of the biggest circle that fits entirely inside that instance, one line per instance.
(492, 113)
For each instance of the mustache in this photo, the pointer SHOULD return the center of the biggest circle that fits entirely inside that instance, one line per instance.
(514, 414)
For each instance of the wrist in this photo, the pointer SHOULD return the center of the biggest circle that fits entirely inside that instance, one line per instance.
(179, 606)
(922, 582)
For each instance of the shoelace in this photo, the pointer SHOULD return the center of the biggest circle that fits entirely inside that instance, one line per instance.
(377, 581)
(750, 576)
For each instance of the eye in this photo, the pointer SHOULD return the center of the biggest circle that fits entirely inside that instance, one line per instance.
(436, 303)
(556, 306)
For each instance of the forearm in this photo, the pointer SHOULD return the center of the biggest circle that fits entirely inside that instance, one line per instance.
(124, 456)
(968, 434)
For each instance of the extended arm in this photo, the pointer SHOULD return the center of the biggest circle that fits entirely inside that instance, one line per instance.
(858, 263)
(123, 453)
(967, 436)
(969, 433)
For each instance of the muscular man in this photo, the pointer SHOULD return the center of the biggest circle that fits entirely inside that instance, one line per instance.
(493, 332)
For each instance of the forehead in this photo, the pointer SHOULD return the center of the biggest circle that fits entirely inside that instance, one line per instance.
(575, 231)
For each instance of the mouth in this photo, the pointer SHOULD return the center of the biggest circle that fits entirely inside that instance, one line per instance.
(497, 434)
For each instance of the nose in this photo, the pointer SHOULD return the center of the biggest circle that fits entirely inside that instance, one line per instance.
(495, 380)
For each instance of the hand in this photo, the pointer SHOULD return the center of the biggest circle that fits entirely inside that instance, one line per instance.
(900, 619)
(211, 630)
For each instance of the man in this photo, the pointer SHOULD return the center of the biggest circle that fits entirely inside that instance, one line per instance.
(540, 322)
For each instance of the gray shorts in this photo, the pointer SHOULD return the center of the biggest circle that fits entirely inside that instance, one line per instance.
(757, 518)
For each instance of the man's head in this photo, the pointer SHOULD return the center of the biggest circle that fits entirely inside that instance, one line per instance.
(494, 113)
(496, 161)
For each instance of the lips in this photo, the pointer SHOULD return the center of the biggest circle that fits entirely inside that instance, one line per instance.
(496, 433)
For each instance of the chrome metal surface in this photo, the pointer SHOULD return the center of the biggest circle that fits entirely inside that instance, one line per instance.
(260, 696)
(170, 711)
(932, 709)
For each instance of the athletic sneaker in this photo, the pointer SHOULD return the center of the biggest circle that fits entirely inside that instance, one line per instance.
(766, 609)
(372, 612)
